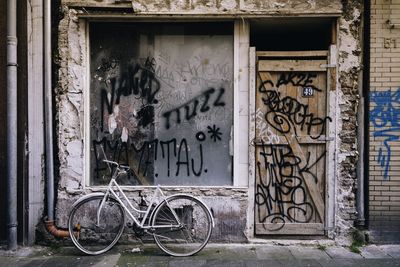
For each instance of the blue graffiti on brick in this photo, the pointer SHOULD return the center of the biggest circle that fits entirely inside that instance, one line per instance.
(385, 117)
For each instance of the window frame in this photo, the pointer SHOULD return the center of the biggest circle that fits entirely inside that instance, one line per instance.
(239, 145)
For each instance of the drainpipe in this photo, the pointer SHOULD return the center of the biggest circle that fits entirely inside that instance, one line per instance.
(363, 124)
(366, 89)
(360, 168)
(12, 123)
(48, 111)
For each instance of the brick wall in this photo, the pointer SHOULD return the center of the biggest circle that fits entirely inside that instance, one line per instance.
(384, 150)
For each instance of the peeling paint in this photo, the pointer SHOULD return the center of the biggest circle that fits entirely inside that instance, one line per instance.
(348, 96)
(230, 205)
(218, 6)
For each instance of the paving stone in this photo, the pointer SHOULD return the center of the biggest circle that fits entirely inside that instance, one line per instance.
(225, 263)
(227, 253)
(308, 253)
(341, 253)
(11, 261)
(373, 252)
(187, 262)
(392, 250)
(63, 261)
(35, 262)
(147, 264)
(389, 262)
(223, 255)
(148, 254)
(337, 262)
(363, 263)
(263, 263)
(22, 252)
(108, 261)
(300, 262)
(129, 260)
(273, 252)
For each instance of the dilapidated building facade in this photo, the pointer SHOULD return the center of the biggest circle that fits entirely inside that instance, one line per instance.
(259, 108)
(249, 105)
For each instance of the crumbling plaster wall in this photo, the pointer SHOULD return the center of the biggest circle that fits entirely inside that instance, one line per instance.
(229, 205)
(349, 71)
(219, 7)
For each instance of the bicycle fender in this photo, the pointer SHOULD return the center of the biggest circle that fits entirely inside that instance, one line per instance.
(86, 197)
(202, 202)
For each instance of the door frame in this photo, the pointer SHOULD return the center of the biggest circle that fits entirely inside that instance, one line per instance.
(331, 133)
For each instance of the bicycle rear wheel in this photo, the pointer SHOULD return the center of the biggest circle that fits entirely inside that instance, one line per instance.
(182, 225)
(93, 236)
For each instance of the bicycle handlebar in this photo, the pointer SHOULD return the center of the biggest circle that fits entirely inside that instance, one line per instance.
(111, 162)
(125, 167)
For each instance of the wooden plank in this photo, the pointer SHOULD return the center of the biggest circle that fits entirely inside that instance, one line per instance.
(321, 171)
(284, 173)
(292, 229)
(310, 183)
(292, 91)
(266, 133)
(308, 140)
(311, 149)
(315, 190)
(292, 65)
(251, 209)
(332, 72)
(330, 147)
(282, 140)
(312, 188)
(319, 103)
(260, 212)
(334, 32)
(317, 53)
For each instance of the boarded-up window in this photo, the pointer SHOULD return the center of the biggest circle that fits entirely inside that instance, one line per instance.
(161, 102)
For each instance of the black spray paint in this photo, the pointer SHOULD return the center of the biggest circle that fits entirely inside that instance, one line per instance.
(176, 153)
(202, 103)
(138, 80)
(281, 192)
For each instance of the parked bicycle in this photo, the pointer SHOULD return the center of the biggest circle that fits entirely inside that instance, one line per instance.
(180, 224)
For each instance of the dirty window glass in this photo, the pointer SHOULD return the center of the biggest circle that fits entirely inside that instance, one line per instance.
(161, 102)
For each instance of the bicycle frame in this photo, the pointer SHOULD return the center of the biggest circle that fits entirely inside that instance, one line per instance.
(161, 213)
(113, 184)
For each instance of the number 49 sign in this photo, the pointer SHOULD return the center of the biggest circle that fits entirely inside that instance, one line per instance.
(308, 91)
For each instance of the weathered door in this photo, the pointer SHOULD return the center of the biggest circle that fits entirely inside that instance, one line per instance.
(290, 143)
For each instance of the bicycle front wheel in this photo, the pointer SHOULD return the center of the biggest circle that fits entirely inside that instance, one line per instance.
(182, 225)
(95, 231)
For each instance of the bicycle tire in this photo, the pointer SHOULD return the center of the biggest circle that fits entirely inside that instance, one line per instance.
(194, 232)
(93, 239)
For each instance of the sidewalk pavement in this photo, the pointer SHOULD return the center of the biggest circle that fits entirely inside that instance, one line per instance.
(212, 255)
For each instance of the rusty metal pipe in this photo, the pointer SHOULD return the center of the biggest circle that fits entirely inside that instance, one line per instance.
(52, 229)
(49, 221)
(50, 224)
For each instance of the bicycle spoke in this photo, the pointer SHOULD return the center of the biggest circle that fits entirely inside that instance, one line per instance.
(167, 216)
(96, 236)
(181, 225)
(195, 226)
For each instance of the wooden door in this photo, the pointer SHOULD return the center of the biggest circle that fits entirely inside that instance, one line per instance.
(290, 145)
